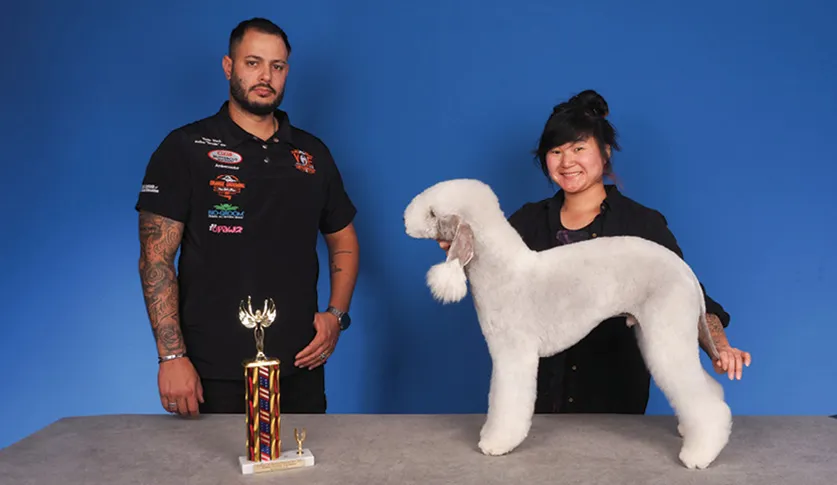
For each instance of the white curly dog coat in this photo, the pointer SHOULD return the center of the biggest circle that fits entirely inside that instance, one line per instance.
(536, 304)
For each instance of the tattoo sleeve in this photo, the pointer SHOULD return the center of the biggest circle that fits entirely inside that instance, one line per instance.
(159, 240)
(716, 329)
(716, 336)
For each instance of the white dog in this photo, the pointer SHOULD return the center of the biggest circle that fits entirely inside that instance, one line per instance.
(536, 304)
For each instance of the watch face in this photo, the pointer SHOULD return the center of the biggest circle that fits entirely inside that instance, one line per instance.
(345, 321)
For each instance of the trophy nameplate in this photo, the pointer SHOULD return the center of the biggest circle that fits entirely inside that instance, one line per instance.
(263, 417)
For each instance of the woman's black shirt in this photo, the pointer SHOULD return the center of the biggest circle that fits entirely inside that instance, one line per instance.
(604, 372)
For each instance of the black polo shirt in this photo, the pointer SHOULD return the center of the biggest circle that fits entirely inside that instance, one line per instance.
(252, 211)
(605, 371)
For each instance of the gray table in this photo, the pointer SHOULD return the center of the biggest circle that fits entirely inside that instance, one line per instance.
(422, 449)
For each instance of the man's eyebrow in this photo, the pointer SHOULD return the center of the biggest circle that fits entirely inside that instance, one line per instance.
(252, 56)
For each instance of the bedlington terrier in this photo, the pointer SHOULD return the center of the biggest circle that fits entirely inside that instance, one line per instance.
(536, 304)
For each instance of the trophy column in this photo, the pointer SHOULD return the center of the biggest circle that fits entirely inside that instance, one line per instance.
(264, 442)
(263, 417)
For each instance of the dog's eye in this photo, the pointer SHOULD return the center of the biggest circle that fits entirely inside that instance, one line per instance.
(432, 214)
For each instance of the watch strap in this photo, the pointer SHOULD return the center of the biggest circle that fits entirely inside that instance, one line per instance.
(334, 311)
(340, 314)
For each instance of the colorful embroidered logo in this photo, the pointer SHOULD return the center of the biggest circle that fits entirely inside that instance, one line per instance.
(226, 186)
(304, 161)
(219, 229)
(225, 211)
(225, 156)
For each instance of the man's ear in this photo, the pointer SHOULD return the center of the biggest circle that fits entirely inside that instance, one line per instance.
(226, 64)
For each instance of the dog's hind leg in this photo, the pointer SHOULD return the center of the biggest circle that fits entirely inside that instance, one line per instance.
(716, 387)
(670, 350)
(511, 399)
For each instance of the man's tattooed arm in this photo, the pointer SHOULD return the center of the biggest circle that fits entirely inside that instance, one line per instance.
(159, 240)
(343, 253)
(716, 337)
(716, 328)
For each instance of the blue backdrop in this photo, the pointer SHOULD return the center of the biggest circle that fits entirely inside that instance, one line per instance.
(725, 110)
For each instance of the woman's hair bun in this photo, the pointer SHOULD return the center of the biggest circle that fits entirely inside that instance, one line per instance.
(591, 102)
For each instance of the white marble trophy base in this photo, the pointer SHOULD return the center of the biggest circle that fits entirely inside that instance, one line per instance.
(287, 460)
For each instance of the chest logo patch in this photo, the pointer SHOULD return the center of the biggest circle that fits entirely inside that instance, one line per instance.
(225, 156)
(222, 229)
(304, 161)
(226, 186)
(225, 211)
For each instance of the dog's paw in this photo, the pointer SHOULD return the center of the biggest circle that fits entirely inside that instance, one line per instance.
(694, 459)
(499, 443)
(486, 429)
(699, 456)
(494, 447)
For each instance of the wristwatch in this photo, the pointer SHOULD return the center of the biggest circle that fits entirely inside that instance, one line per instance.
(342, 317)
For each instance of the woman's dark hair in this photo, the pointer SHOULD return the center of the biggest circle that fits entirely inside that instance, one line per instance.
(580, 117)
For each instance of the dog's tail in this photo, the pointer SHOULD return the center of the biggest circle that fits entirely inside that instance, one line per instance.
(703, 327)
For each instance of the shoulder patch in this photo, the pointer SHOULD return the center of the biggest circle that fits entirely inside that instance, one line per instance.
(304, 161)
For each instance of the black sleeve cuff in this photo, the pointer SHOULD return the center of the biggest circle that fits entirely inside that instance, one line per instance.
(339, 219)
(715, 308)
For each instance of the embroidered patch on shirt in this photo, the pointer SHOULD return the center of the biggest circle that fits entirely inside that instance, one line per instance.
(304, 161)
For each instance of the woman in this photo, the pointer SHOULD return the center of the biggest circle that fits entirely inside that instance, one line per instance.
(604, 372)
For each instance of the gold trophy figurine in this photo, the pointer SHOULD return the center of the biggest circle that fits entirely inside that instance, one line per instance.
(261, 375)
(258, 321)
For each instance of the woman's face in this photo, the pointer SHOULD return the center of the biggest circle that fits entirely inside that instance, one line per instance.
(576, 166)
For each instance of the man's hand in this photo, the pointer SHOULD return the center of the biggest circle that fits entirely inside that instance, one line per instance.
(179, 383)
(443, 244)
(731, 361)
(344, 260)
(321, 348)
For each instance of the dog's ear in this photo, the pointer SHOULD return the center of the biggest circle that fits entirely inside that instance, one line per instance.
(447, 226)
(462, 246)
(459, 233)
(447, 280)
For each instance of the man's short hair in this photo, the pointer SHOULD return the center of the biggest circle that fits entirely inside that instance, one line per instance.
(261, 25)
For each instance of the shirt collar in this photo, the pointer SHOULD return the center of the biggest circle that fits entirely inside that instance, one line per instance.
(233, 134)
(613, 202)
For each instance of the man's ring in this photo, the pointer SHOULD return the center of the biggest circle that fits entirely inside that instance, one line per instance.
(323, 356)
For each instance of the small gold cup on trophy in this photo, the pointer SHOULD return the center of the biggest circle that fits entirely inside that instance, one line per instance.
(263, 417)
(299, 436)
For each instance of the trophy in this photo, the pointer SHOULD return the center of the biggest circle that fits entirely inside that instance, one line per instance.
(261, 376)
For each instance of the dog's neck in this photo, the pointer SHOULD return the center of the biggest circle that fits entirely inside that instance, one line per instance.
(497, 247)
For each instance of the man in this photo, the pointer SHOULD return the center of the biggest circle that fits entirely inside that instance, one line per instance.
(244, 195)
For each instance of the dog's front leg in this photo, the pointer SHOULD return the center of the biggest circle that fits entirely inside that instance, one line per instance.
(511, 399)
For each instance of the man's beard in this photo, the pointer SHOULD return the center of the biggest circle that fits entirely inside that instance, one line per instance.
(238, 94)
